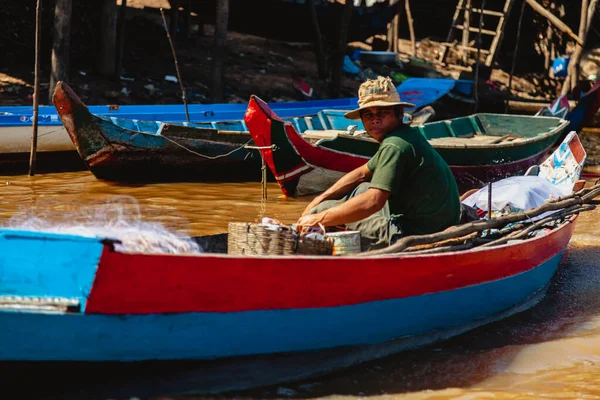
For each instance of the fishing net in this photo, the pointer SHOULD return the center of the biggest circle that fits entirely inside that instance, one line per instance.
(119, 219)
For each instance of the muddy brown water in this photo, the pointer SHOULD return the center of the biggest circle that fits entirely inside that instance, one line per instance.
(550, 351)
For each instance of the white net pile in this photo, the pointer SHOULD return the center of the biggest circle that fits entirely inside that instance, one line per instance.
(112, 220)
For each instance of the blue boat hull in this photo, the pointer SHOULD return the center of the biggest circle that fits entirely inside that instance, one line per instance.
(33, 336)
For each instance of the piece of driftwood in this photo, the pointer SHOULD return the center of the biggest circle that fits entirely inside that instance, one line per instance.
(579, 198)
(554, 20)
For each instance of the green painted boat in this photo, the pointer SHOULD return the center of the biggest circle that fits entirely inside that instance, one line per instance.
(480, 147)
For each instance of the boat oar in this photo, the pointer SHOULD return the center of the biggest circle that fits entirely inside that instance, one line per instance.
(583, 197)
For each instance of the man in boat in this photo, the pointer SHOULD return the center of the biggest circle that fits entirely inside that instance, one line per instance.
(405, 189)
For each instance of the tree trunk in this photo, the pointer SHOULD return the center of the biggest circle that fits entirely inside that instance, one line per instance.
(576, 56)
(61, 44)
(320, 49)
(338, 59)
(108, 43)
(220, 50)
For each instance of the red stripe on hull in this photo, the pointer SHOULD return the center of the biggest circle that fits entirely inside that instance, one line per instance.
(141, 284)
(321, 156)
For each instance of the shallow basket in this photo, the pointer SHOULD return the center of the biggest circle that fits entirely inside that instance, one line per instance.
(246, 238)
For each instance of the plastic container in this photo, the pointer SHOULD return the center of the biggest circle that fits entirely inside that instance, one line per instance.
(345, 242)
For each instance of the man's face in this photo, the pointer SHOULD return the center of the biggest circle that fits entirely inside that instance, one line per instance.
(379, 121)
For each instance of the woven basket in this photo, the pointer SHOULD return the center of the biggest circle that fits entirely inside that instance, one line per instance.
(246, 238)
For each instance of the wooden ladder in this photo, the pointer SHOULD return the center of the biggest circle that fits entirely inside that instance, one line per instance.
(463, 21)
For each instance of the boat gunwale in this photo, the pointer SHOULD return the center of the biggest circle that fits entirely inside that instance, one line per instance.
(357, 256)
(516, 143)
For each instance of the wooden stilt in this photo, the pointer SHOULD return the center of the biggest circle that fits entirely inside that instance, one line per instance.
(61, 45)
(514, 60)
(220, 50)
(36, 90)
(411, 28)
(576, 56)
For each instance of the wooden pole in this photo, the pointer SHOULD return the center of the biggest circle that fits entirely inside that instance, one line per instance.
(576, 56)
(476, 86)
(36, 90)
(183, 96)
(61, 44)
(108, 41)
(555, 20)
(220, 50)
(411, 28)
(395, 21)
(574, 77)
(514, 60)
(120, 38)
(320, 48)
(338, 58)
(466, 30)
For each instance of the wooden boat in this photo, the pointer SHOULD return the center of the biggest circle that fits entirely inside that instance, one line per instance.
(248, 321)
(479, 148)
(152, 150)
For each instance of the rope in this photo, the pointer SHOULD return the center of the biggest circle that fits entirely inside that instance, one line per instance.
(205, 156)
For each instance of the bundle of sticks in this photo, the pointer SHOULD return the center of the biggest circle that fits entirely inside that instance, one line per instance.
(497, 231)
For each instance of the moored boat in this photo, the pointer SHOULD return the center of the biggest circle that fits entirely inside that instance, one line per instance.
(132, 150)
(54, 142)
(478, 148)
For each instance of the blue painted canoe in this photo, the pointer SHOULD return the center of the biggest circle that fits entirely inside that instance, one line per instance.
(269, 319)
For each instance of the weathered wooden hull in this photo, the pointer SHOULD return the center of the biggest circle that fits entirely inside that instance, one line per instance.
(247, 321)
(173, 153)
(304, 168)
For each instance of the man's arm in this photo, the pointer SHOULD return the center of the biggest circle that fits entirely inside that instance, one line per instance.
(355, 209)
(342, 187)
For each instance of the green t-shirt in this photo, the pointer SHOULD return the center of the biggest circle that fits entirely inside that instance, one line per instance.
(423, 193)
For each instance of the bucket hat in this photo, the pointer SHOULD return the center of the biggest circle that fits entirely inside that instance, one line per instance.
(379, 92)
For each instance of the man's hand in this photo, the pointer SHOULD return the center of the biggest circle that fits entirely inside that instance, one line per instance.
(308, 221)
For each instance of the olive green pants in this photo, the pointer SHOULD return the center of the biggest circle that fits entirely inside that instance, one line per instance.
(376, 231)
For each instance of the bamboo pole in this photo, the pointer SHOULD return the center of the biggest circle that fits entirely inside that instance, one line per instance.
(36, 90)
(411, 28)
(183, 96)
(555, 20)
